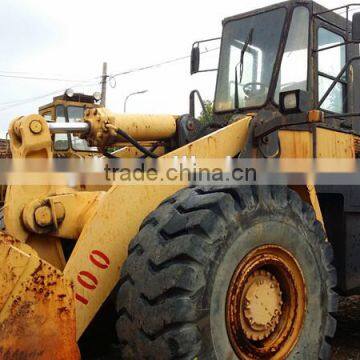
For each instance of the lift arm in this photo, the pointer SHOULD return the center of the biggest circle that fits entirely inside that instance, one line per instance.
(115, 216)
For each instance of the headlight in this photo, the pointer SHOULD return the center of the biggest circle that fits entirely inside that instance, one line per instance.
(97, 95)
(290, 101)
(295, 101)
(69, 93)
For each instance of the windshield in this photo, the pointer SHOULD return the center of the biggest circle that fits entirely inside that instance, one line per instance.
(248, 53)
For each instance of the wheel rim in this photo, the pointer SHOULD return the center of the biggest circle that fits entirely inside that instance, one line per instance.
(265, 304)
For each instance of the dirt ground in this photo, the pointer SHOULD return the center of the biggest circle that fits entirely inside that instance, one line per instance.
(346, 345)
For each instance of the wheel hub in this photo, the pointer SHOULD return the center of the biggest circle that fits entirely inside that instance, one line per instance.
(265, 304)
(262, 308)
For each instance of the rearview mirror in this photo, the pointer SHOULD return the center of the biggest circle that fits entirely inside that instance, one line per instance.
(208, 51)
(356, 27)
(195, 59)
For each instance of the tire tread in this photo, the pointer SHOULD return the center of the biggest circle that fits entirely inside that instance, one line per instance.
(170, 258)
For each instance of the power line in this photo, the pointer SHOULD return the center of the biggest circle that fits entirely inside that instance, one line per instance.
(26, 72)
(87, 83)
(81, 83)
(149, 66)
(32, 99)
(40, 78)
(158, 64)
(33, 73)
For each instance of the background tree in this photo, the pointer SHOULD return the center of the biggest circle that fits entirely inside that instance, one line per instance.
(207, 114)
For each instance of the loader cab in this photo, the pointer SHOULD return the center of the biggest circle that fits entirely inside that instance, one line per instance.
(69, 107)
(280, 62)
(295, 46)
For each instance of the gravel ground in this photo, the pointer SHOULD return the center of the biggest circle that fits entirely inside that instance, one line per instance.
(346, 344)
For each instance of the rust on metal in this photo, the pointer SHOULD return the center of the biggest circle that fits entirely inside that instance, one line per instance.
(266, 303)
(37, 312)
(263, 301)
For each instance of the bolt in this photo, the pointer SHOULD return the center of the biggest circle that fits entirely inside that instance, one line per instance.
(190, 125)
(35, 127)
(59, 211)
(43, 216)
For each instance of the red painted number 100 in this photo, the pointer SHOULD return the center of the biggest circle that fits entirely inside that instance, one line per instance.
(87, 279)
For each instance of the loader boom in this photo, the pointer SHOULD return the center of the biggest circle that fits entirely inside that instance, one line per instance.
(94, 279)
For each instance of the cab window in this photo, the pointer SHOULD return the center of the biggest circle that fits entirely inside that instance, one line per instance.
(76, 114)
(248, 54)
(61, 141)
(330, 63)
(47, 116)
(294, 66)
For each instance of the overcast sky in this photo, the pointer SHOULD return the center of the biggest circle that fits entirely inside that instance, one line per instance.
(70, 40)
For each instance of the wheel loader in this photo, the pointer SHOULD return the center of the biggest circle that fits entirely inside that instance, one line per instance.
(68, 107)
(65, 108)
(202, 271)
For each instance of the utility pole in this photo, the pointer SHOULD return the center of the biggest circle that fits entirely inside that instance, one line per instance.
(103, 84)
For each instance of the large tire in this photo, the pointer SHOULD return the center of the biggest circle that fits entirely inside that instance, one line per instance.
(174, 285)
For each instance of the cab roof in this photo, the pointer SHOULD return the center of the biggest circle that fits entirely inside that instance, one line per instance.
(76, 98)
(315, 8)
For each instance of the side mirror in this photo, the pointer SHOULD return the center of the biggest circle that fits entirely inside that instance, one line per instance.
(202, 47)
(195, 59)
(356, 27)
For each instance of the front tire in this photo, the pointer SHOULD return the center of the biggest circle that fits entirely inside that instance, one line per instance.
(227, 273)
